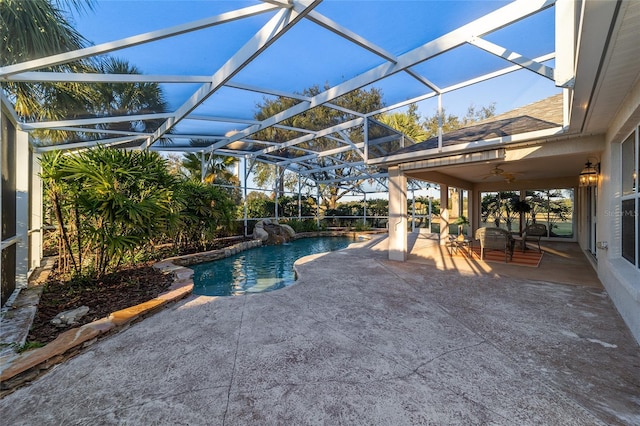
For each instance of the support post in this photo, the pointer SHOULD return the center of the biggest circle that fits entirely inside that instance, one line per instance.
(413, 210)
(22, 208)
(444, 213)
(203, 169)
(277, 191)
(364, 219)
(318, 205)
(244, 191)
(430, 210)
(470, 212)
(35, 226)
(299, 199)
(397, 214)
(440, 119)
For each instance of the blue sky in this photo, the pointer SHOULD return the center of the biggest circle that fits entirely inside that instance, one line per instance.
(310, 55)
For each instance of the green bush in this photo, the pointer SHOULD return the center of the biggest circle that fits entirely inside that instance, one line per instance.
(203, 211)
(305, 225)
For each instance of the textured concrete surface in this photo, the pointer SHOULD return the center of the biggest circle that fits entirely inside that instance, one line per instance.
(359, 340)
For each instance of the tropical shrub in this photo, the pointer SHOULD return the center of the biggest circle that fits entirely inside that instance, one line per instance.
(107, 203)
(305, 225)
(203, 211)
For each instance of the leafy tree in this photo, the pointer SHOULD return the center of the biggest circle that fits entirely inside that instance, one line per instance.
(453, 122)
(475, 114)
(258, 205)
(318, 118)
(500, 207)
(551, 204)
(449, 122)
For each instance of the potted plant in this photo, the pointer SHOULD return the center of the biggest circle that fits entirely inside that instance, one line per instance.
(461, 221)
(521, 207)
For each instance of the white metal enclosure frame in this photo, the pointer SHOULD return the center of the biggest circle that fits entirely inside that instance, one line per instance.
(315, 154)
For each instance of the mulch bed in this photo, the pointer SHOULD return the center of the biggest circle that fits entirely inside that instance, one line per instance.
(113, 292)
(120, 290)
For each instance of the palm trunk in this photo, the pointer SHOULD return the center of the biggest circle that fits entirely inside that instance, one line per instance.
(63, 230)
(79, 238)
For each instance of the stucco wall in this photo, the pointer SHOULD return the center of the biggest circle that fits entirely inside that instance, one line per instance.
(620, 278)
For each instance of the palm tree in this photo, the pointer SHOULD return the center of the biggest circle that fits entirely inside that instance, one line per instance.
(128, 98)
(216, 168)
(31, 29)
(406, 124)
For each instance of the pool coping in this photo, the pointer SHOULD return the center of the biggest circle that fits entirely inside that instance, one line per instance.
(21, 368)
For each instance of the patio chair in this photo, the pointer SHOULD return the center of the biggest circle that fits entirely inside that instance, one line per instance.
(533, 232)
(495, 239)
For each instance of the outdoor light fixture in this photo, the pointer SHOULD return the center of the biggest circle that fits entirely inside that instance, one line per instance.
(589, 175)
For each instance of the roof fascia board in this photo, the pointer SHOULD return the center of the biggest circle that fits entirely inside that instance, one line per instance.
(283, 21)
(463, 147)
(596, 26)
(493, 21)
(455, 159)
(136, 40)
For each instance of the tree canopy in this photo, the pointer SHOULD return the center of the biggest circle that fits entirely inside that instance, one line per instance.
(319, 118)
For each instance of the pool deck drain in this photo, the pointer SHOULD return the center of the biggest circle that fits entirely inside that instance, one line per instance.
(359, 340)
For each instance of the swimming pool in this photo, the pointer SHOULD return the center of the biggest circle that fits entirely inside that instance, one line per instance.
(261, 269)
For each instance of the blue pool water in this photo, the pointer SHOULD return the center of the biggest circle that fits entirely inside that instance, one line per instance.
(261, 269)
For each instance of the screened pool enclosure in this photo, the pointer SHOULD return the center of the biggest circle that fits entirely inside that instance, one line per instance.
(215, 61)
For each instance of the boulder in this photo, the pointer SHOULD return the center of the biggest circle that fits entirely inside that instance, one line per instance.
(272, 233)
(67, 318)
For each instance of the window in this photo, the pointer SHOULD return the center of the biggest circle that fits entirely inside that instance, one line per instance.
(554, 209)
(630, 199)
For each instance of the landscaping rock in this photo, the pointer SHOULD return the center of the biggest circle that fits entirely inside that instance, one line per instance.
(272, 233)
(67, 318)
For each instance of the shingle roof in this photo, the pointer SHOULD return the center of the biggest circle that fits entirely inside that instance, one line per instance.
(544, 114)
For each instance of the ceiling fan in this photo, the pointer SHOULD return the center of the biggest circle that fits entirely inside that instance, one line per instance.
(496, 171)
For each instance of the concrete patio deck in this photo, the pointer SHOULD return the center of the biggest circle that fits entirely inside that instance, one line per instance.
(360, 340)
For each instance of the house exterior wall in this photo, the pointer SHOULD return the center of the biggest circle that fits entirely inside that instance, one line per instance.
(619, 276)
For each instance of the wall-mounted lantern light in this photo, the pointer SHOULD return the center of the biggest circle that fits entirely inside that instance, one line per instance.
(589, 175)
